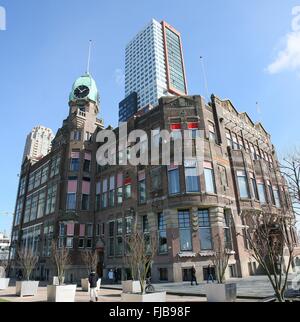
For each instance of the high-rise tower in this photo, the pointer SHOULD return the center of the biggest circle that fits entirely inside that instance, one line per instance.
(154, 66)
(38, 143)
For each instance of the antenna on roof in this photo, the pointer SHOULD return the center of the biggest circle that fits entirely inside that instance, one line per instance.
(204, 78)
(89, 58)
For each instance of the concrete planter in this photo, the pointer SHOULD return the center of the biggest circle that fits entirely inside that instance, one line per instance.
(26, 288)
(158, 297)
(221, 292)
(4, 282)
(86, 285)
(61, 293)
(131, 287)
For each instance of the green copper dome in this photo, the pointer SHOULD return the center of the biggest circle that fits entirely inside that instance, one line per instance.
(86, 80)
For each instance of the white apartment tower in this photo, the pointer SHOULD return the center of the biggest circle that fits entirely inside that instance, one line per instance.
(38, 143)
(154, 65)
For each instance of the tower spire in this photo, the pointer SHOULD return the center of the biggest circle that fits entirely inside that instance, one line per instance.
(89, 58)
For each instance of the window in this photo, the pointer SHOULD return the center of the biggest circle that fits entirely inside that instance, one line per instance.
(85, 202)
(142, 186)
(111, 250)
(41, 204)
(128, 184)
(55, 164)
(271, 192)
(235, 144)
(176, 131)
(119, 237)
(277, 197)
(45, 173)
(191, 177)
(205, 230)
(227, 231)
(243, 184)
(47, 239)
(112, 191)
(87, 165)
(209, 177)
(223, 176)
(261, 191)
(76, 135)
(128, 225)
(51, 199)
(185, 230)
(173, 180)
(104, 193)
(71, 201)
(162, 234)
(22, 187)
(81, 243)
(163, 274)
(228, 138)
(74, 164)
(120, 188)
(212, 132)
(254, 186)
(98, 196)
(156, 179)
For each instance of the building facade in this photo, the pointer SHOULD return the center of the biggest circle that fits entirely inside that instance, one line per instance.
(154, 64)
(4, 247)
(38, 143)
(67, 197)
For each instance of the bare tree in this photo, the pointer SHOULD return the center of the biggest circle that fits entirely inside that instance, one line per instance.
(28, 261)
(90, 260)
(220, 258)
(141, 251)
(271, 245)
(290, 168)
(61, 258)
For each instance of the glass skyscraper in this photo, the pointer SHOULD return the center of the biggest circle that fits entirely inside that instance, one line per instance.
(154, 65)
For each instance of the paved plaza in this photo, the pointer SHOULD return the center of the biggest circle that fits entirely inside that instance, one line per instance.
(255, 288)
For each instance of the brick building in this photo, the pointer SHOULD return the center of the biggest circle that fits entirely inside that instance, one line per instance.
(68, 197)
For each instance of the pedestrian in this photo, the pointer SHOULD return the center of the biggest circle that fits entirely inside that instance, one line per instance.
(210, 276)
(194, 278)
(111, 276)
(93, 279)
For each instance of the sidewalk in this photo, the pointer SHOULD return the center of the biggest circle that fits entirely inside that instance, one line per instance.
(254, 287)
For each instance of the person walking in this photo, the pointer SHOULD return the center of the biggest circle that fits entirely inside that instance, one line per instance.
(93, 279)
(210, 276)
(111, 276)
(194, 278)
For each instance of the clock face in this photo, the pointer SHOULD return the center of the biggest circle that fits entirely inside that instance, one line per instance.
(81, 91)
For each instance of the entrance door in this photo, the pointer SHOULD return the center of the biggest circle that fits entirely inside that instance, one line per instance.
(187, 274)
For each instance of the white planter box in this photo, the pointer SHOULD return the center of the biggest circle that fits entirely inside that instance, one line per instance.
(26, 288)
(86, 285)
(158, 297)
(221, 292)
(4, 282)
(61, 293)
(131, 287)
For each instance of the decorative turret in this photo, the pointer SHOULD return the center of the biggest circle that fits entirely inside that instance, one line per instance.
(84, 89)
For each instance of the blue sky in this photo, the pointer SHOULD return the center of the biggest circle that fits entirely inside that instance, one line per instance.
(45, 48)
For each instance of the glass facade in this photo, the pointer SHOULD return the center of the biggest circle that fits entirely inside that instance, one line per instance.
(175, 63)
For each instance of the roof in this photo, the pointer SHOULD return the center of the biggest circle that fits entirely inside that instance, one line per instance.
(86, 80)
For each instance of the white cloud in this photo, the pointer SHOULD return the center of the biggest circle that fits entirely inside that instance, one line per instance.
(119, 76)
(289, 57)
